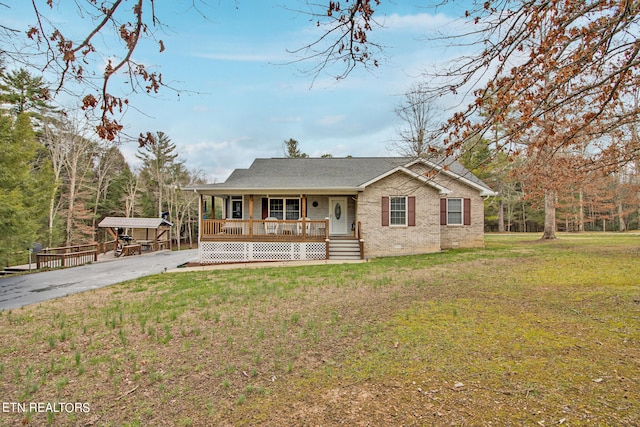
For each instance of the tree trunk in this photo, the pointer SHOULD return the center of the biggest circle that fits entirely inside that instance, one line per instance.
(549, 215)
(70, 207)
(95, 208)
(52, 211)
(159, 198)
(501, 216)
(581, 214)
(621, 221)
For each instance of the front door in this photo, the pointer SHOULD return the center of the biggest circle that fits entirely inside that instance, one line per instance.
(338, 215)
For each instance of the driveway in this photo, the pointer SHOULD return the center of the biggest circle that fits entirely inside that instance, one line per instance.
(18, 291)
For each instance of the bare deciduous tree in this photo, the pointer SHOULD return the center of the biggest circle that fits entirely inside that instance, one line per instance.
(72, 149)
(53, 141)
(420, 132)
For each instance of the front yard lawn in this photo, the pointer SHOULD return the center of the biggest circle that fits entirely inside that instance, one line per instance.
(518, 333)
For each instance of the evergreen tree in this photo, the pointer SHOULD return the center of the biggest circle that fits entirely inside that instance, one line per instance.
(291, 149)
(24, 92)
(25, 180)
(157, 161)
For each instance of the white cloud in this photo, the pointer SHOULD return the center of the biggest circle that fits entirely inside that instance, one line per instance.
(421, 22)
(331, 120)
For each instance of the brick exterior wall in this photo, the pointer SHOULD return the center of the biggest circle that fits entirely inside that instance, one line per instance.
(465, 236)
(427, 235)
(460, 236)
(381, 240)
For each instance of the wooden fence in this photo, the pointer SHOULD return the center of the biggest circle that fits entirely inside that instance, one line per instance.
(68, 256)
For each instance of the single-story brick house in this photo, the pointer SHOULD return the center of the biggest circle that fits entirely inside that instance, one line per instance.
(325, 208)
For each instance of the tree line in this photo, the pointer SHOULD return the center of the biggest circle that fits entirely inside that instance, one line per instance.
(58, 179)
(584, 200)
(589, 193)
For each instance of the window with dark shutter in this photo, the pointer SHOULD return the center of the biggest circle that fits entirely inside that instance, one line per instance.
(411, 211)
(398, 211)
(467, 211)
(455, 211)
(385, 211)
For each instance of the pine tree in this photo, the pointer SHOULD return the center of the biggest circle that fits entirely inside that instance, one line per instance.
(24, 92)
(25, 180)
(157, 160)
(291, 149)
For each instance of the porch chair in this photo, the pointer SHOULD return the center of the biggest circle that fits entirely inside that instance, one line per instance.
(307, 226)
(271, 225)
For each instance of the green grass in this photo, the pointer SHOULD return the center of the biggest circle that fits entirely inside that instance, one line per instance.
(519, 332)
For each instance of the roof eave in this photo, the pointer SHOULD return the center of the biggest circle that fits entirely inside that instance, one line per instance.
(484, 191)
(273, 190)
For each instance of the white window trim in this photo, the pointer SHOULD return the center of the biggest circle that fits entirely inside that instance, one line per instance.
(406, 211)
(461, 223)
(284, 205)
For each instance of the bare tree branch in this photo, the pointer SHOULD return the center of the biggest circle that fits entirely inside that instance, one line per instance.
(345, 38)
(69, 57)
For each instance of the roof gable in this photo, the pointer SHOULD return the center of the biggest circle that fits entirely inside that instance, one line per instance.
(455, 170)
(441, 189)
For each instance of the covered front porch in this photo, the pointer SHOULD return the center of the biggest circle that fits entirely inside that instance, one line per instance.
(275, 227)
(285, 216)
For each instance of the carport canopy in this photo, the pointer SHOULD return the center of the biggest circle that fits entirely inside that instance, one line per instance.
(160, 226)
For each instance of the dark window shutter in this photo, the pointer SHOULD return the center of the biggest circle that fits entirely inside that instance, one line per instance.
(265, 207)
(443, 211)
(411, 211)
(385, 211)
(467, 212)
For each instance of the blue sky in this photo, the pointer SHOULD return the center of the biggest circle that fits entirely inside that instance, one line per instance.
(240, 97)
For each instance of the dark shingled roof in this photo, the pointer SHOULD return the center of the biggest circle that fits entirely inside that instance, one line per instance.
(322, 173)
